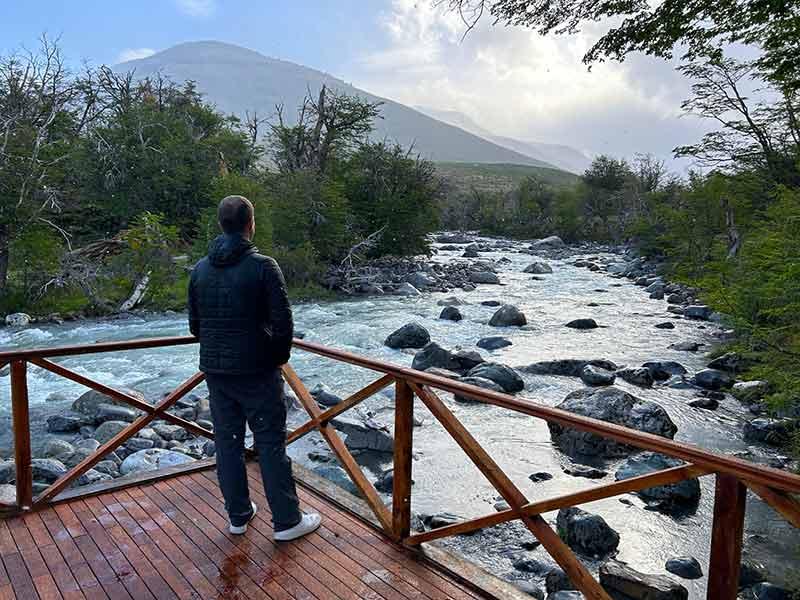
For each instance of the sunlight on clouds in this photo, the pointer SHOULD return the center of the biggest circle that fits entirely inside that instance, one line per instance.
(197, 8)
(134, 54)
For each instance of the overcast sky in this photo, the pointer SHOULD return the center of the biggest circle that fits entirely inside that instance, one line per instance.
(510, 81)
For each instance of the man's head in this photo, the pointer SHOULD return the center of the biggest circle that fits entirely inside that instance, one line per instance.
(236, 216)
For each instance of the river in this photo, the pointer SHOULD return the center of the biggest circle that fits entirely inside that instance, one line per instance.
(444, 478)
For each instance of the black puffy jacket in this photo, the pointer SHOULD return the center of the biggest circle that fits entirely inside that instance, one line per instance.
(239, 309)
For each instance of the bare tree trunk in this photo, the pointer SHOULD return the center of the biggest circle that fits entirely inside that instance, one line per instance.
(734, 239)
(4, 255)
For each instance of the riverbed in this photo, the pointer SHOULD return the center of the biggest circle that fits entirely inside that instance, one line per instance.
(444, 478)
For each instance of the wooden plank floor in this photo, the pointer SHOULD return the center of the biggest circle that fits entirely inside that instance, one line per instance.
(169, 539)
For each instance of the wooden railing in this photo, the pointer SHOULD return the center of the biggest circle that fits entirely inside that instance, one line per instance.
(733, 476)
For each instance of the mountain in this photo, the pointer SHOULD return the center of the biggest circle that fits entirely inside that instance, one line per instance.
(563, 157)
(237, 80)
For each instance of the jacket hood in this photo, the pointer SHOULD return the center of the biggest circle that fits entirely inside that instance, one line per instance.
(227, 250)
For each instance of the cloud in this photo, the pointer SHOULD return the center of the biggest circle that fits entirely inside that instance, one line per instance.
(517, 83)
(134, 54)
(197, 8)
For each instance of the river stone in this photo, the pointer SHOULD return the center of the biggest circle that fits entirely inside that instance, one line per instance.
(365, 434)
(108, 430)
(750, 573)
(613, 405)
(584, 471)
(484, 277)
(705, 403)
(18, 320)
(453, 238)
(433, 355)
(337, 476)
(109, 467)
(711, 379)
(493, 343)
(410, 335)
(685, 346)
(8, 494)
(540, 476)
(420, 279)
(664, 369)
(451, 301)
(89, 444)
(113, 412)
(508, 315)
(571, 367)
(538, 268)
(480, 382)
(650, 462)
(665, 325)
(468, 359)
(686, 567)
(171, 433)
(65, 423)
(442, 519)
(8, 471)
(136, 444)
(88, 403)
(768, 591)
(636, 375)
(92, 476)
(504, 376)
(582, 324)
(47, 470)
(55, 447)
(323, 396)
(750, 391)
(697, 311)
(470, 252)
(586, 533)
(621, 578)
(552, 241)
(556, 581)
(591, 375)
(491, 303)
(730, 362)
(443, 373)
(152, 459)
(451, 313)
(774, 432)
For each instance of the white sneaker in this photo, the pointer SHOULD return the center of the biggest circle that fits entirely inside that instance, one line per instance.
(242, 529)
(308, 524)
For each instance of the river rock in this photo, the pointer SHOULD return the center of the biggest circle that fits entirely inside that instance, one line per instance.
(91, 477)
(540, 476)
(504, 376)
(508, 315)
(584, 471)
(480, 382)
(552, 241)
(644, 463)
(433, 355)
(686, 567)
(65, 423)
(443, 373)
(493, 343)
(697, 311)
(420, 279)
(685, 346)
(730, 362)
(451, 313)
(8, 471)
(774, 432)
(113, 412)
(442, 519)
(56, 447)
(621, 578)
(151, 460)
(486, 277)
(18, 320)
(768, 591)
(365, 434)
(406, 289)
(109, 467)
(451, 301)
(136, 444)
(88, 403)
(705, 403)
(453, 238)
(47, 470)
(664, 369)
(538, 268)
(323, 396)
(108, 430)
(410, 335)
(750, 573)
(171, 433)
(586, 533)
(613, 405)
(338, 476)
(89, 444)
(531, 589)
(665, 325)
(636, 375)
(468, 359)
(750, 391)
(591, 375)
(582, 324)
(711, 379)
(570, 367)
(557, 582)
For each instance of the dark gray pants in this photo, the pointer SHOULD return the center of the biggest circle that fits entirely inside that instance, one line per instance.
(257, 400)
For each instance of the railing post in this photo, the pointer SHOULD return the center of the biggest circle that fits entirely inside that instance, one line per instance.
(726, 538)
(403, 434)
(22, 434)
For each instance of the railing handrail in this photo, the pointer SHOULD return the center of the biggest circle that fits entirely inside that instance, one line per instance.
(742, 469)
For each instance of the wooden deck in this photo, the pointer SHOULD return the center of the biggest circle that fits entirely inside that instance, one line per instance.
(168, 539)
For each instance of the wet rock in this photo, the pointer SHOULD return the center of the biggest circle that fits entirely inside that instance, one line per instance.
(18, 320)
(711, 379)
(681, 492)
(486, 277)
(540, 476)
(595, 376)
(664, 369)
(365, 434)
(480, 382)
(665, 325)
(508, 316)
(451, 313)
(538, 268)
(65, 423)
(108, 430)
(385, 482)
(323, 396)
(470, 253)
(556, 581)
(705, 403)
(88, 403)
(152, 459)
(686, 567)
(533, 566)
(468, 359)
(552, 241)
(730, 362)
(410, 335)
(433, 355)
(621, 578)
(750, 391)
(420, 279)
(613, 405)
(571, 367)
(47, 470)
(491, 303)
(768, 591)
(113, 412)
(697, 311)
(584, 471)
(636, 375)
(582, 324)
(504, 376)
(406, 289)
(685, 346)
(751, 573)
(8, 471)
(442, 519)
(774, 432)
(676, 298)
(586, 533)
(443, 373)
(493, 343)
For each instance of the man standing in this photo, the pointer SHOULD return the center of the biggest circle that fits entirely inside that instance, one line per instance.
(239, 310)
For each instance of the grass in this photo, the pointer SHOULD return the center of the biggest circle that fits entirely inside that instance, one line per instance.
(500, 176)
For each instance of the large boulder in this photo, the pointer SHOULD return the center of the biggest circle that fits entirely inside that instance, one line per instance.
(681, 492)
(484, 277)
(570, 367)
(619, 577)
(433, 355)
(538, 268)
(661, 370)
(468, 359)
(774, 432)
(711, 379)
(586, 533)
(66, 423)
(751, 391)
(504, 376)
(18, 320)
(730, 362)
(410, 335)
(420, 279)
(365, 434)
(698, 311)
(152, 459)
(480, 382)
(493, 343)
(113, 412)
(613, 405)
(451, 313)
(508, 315)
(47, 470)
(89, 402)
(686, 567)
(636, 375)
(108, 430)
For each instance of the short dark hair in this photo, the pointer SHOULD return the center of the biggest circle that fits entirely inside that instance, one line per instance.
(235, 214)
